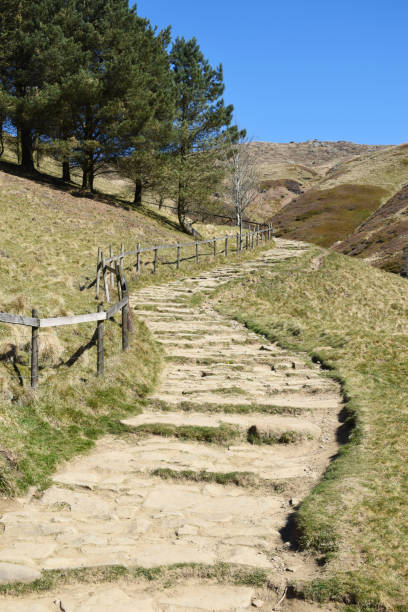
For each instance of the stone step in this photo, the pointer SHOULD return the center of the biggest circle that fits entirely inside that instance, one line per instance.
(275, 424)
(310, 401)
(137, 598)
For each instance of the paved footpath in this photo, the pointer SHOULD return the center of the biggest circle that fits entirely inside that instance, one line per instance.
(148, 500)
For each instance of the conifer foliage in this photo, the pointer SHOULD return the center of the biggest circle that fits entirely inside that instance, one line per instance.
(201, 125)
(94, 85)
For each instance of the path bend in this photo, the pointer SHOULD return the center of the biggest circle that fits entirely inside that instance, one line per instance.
(246, 430)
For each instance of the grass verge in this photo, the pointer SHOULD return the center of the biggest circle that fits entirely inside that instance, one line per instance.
(352, 319)
(223, 573)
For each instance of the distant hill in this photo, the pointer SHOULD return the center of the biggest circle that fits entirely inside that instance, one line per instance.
(343, 195)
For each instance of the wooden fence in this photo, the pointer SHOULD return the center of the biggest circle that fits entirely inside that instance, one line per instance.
(111, 269)
(37, 323)
(229, 244)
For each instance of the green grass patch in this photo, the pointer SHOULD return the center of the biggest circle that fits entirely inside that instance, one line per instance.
(213, 435)
(222, 573)
(228, 408)
(352, 319)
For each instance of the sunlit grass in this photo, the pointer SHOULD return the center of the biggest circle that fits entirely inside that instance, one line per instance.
(352, 319)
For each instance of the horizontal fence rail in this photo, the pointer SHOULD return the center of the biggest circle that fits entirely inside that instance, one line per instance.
(231, 243)
(206, 215)
(111, 269)
(36, 323)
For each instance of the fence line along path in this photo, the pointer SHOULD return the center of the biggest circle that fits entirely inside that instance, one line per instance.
(37, 323)
(224, 245)
(232, 409)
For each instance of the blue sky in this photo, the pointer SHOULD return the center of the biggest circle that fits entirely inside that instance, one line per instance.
(303, 69)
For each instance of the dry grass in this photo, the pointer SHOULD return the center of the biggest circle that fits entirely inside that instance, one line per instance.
(327, 216)
(48, 245)
(355, 520)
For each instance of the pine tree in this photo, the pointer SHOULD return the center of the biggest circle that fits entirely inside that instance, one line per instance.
(34, 54)
(201, 122)
(121, 86)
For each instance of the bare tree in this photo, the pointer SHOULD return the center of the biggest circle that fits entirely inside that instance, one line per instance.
(242, 184)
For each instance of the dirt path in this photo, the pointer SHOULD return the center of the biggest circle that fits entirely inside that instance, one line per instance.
(202, 495)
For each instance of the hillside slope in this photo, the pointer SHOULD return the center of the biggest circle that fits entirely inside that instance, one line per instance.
(382, 238)
(338, 205)
(48, 246)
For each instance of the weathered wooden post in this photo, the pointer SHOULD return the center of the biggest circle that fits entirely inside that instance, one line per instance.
(257, 237)
(122, 256)
(100, 333)
(178, 255)
(98, 271)
(35, 331)
(215, 246)
(237, 242)
(226, 246)
(246, 242)
(118, 281)
(156, 248)
(138, 258)
(112, 280)
(125, 315)
(196, 252)
(105, 280)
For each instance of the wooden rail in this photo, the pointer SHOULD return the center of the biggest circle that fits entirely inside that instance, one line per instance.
(36, 323)
(232, 243)
(111, 268)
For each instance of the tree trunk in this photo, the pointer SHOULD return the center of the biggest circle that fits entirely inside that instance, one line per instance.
(186, 226)
(66, 171)
(1, 136)
(138, 193)
(27, 161)
(88, 176)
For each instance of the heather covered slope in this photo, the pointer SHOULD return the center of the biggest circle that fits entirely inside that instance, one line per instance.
(352, 202)
(383, 236)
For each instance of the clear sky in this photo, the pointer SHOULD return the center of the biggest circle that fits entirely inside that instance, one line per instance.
(303, 69)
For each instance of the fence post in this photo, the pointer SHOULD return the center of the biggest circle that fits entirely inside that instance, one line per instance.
(118, 281)
(197, 255)
(122, 257)
(215, 246)
(35, 331)
(178, 256)
(112, 280)
(98, 271)
(138, 258)
(246, 242)
(125, 316)
(155, 259)
(100, 332)
(105, 280)
(257, 237)
(226, 246)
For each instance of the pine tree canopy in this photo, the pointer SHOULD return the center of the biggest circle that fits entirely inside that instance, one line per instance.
(202, 122)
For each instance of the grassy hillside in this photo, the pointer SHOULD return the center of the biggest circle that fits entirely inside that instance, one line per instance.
(353, 320)
(339, 204)
(328, 215)
(383, 236)
(48, 245)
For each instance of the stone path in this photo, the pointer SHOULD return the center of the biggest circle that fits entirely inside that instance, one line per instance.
(249, 430)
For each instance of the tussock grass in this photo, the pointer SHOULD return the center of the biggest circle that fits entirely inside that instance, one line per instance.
(48, 245)
(352, 319)
(215, 435)
(247, 480)
(163, 576)
(228, 408)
